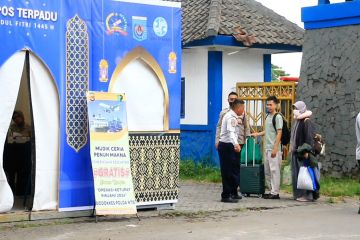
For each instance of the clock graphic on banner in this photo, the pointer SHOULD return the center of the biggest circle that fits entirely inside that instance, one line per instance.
(160, 26)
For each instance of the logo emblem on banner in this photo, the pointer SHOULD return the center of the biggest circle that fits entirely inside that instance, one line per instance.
(116, 23)
(139, 28)
(160, 26)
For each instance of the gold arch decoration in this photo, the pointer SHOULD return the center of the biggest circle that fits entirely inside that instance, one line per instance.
(255, 94)
(77, 75)
(143, 54)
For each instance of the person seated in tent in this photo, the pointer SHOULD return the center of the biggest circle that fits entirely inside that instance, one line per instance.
(19, 131)
(17, 153)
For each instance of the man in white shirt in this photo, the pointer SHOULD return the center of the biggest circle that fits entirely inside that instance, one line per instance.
(229, 148)
(231, 98)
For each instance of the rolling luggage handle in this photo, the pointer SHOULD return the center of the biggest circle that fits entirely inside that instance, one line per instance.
(246, 152)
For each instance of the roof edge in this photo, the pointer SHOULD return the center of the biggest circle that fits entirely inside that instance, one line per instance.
(228, 40)
(213, 24)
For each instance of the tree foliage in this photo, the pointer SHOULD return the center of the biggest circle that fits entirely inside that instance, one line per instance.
(277, 72)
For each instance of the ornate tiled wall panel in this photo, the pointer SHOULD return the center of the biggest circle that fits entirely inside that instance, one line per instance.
(77, 77)
(155, 166)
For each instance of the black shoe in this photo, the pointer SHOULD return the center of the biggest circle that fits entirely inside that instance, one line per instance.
(316, 195)
(266, 195)
(359, 211)
(229, 200)
(238, 197)
(272, 196)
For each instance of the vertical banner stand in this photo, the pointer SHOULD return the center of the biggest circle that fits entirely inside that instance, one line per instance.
(110, 155)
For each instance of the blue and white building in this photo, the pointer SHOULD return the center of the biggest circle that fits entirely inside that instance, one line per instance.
(224, 42)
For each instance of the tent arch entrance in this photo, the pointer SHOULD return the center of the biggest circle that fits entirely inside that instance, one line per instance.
(44, 105)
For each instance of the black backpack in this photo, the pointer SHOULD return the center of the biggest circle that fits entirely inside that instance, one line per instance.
(285, 136)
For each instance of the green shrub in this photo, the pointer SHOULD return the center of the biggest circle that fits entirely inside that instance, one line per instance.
(343, 187)
(335, 187)
(189, 170)
(331, 187)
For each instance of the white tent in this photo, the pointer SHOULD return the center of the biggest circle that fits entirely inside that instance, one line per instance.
(45, 120)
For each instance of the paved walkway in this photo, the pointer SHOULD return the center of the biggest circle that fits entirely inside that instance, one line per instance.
(194, 198)
(327, 222)
(205, 197)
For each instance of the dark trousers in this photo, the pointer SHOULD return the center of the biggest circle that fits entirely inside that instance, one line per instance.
(237, 172)
(17, 166)
(359, 180)
(237, 168)
(230, 169)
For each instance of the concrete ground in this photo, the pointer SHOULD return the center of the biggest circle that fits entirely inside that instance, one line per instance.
(200, 215)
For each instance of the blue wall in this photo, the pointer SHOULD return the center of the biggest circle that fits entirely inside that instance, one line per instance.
(197, 146)
(327, 15)
(198, 141)
(267, 68)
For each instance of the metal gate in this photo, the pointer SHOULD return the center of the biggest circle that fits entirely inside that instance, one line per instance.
(255, 94)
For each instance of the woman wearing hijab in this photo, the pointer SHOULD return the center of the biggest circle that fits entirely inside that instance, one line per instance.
(302, 132)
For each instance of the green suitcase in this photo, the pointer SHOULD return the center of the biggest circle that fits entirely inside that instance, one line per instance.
(252, 177)
(251, 150)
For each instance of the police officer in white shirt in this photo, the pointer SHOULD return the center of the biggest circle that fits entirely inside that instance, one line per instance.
(231, 98)
(228, 149)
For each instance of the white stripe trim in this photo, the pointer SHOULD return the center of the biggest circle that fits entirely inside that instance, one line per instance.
(139, 18)
(156, 203)
(153, 2)
(71, 209)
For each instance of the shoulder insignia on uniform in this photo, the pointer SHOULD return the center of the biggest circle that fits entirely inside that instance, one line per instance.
(233, 122)
(225, 110)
